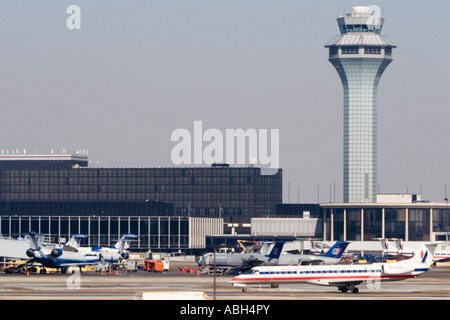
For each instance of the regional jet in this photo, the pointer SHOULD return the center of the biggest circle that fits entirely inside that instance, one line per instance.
(344, 277)
(248, 260)
(112, 255)
(240, 261)
(442, 253)
(57, 257)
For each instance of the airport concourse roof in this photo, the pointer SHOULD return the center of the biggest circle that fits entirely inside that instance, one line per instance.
(418, 204)
(361, 38)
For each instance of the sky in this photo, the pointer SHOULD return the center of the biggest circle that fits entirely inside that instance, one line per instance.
(138, 70)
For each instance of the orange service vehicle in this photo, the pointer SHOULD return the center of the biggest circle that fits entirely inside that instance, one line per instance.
(153, 265)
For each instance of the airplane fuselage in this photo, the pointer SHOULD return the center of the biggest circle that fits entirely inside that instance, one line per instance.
(67, 259)
(324, 274)
(242, 259)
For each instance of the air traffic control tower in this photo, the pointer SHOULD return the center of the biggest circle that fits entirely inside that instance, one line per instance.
(360, 55)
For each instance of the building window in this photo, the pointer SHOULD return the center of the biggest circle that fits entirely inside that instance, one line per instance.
(350, 50)
(372, 50)
(333, 51)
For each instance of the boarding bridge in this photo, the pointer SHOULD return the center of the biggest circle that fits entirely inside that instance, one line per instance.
(16, 249)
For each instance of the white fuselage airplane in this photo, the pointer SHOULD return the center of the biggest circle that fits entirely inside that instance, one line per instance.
(248, 260)
(113, 254)
(345, 277)
(57, 257)
(401, 251)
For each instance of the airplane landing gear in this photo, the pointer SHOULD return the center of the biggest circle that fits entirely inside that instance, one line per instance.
(344, 289)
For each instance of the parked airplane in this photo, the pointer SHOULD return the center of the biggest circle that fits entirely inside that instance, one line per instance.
(332, 256)
(441, 254)
(388, 248)
(344, 277)
(57, 257)
(113, 254)
(236, 260)
(240, 260)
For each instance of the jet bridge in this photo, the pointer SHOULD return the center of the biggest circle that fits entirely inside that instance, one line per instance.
(14, 248)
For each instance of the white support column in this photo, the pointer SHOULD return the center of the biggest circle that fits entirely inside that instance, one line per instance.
(431, 225)
(406, 225)
(345, 225)
(332, 225)
(362, 224)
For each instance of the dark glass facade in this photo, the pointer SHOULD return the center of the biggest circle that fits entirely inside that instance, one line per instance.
(298, 210)
(235, 194)
(153, 232)
(168, 208)
(395, 223)
(372, 223)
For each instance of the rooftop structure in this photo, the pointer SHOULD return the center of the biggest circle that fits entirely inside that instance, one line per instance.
(14, 160)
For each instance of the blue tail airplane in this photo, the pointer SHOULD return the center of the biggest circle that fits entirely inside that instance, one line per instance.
(248, 260)
(57, 257)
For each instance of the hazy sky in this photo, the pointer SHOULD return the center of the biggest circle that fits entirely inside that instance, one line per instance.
(138, 70)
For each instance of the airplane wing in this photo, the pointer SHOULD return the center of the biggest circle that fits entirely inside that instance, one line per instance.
(310, 259)
(268, 259)
(252, 261)
(345, 283)
(310, 262)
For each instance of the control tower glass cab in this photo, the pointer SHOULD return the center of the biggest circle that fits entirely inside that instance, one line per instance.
(360, 55)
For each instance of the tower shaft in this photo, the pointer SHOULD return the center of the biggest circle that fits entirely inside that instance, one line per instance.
(360, 56)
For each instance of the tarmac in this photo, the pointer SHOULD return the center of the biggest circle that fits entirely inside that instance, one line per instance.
(128, 285)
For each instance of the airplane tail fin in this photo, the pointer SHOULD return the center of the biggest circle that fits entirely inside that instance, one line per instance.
(265, 247)
(423, 257)
(75, 240)
(123, 244)
(385, 244)
(34, 240)
(276, 250)
(399, 244)
(35, 246)
(337, 250)
(390, 248)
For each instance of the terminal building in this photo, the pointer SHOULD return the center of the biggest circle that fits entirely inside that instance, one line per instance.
(401, 216)
(191, 209)
(168, 208)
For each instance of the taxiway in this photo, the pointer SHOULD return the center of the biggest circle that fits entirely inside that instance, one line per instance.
(124, 285)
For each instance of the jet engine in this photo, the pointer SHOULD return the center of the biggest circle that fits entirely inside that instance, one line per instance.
(250, 260)
(110, 257)
(393, 269)
(30, 253)
(56, 252)
(124, 255)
